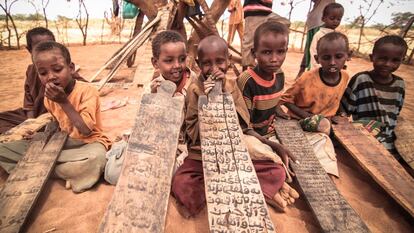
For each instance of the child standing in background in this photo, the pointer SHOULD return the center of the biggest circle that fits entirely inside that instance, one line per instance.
(331, 17)
(378, 95)
(76, 107)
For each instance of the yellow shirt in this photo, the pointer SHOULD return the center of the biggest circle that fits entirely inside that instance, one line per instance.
(312, 95)
(85, 100)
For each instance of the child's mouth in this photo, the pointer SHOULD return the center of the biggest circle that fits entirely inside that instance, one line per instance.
(333, 69)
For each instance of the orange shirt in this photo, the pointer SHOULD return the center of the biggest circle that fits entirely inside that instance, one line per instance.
(85, 100)
(311, 94)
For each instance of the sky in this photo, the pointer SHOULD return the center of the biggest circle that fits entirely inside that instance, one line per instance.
(97, 8)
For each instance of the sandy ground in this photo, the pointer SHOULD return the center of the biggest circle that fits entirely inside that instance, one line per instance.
(83, 212)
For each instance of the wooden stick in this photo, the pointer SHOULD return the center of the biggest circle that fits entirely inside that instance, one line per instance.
(25, 183)
(140, 200)
(332, 211)
(126, 47)
(235, 201)
(379, 163)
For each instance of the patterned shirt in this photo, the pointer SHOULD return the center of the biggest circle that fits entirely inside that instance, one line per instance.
(257, 7)
(366, 99)
(261, 97)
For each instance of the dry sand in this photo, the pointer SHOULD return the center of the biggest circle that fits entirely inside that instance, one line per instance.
(64, 211)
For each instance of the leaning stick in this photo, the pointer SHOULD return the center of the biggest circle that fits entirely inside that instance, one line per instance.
(126, 47)
(125, 55)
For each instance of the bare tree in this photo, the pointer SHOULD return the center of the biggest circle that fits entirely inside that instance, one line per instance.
(83, 21)
(292, 4)
(44, 6)
(7, 8)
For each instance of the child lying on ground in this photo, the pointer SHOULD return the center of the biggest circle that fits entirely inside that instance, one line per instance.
(317, 94)
(33, 90)
(376, 97)
(188, 182)
(76, 107)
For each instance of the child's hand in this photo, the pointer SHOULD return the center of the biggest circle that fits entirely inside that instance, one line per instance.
(155, 83)
(338, 119)
(28, 135)
(283, 152)
(211, 80)
(55, 93)
(280, 113)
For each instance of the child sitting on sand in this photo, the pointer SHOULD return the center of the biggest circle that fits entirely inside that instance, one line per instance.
(188, 181)
(376, 97)
(33, 90)
(76, 107)
(316, 96)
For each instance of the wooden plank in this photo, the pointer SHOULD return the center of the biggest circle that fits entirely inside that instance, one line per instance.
(332, 211)
(405, 140)
(140, 201)
(27, 180)
(235, 200)
(144, 71)
(32, 124)
(379, 163)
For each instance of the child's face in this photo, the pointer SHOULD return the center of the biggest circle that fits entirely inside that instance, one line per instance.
(387, 58)
(52, 67)
(36, 39)
(171, 62)
(333, 18)
(271, 52)
(212, 59)
(332, 55)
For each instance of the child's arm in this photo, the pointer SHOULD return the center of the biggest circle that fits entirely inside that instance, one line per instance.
(280, 150)
(298, 111)
(58, 95)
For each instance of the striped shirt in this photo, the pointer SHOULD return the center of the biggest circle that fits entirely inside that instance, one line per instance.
(366, 99)
(257, 7)
(261, 97)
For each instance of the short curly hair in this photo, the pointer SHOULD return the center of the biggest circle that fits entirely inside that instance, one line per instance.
(330, 7)
(50, 45)
(163, 38)
(331, 37)
(274, 27)
(390, 39)
(37, 31)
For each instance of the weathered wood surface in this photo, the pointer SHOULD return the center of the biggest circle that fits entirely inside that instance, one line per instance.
(235, 200)
(379, 163)
(144, 71)
(23, 186)
(405, 140)
(332, 211)
(139, 203)
(32, 124)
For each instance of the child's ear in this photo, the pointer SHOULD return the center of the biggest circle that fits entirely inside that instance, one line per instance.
(370, 57)
(253, 52)
(350, 55)
(154, 62)
(72, 68)
(28, 49)
(316, 58)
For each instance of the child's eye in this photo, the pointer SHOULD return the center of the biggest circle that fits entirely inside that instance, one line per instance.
(281, 51)
(182, 59)
(326, 57)
(339, 56)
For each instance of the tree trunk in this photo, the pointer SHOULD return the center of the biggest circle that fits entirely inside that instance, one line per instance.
(361, 32)
(150, 8)
(15, 31)
(407, 27)
(44, 14)
(217, 9)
